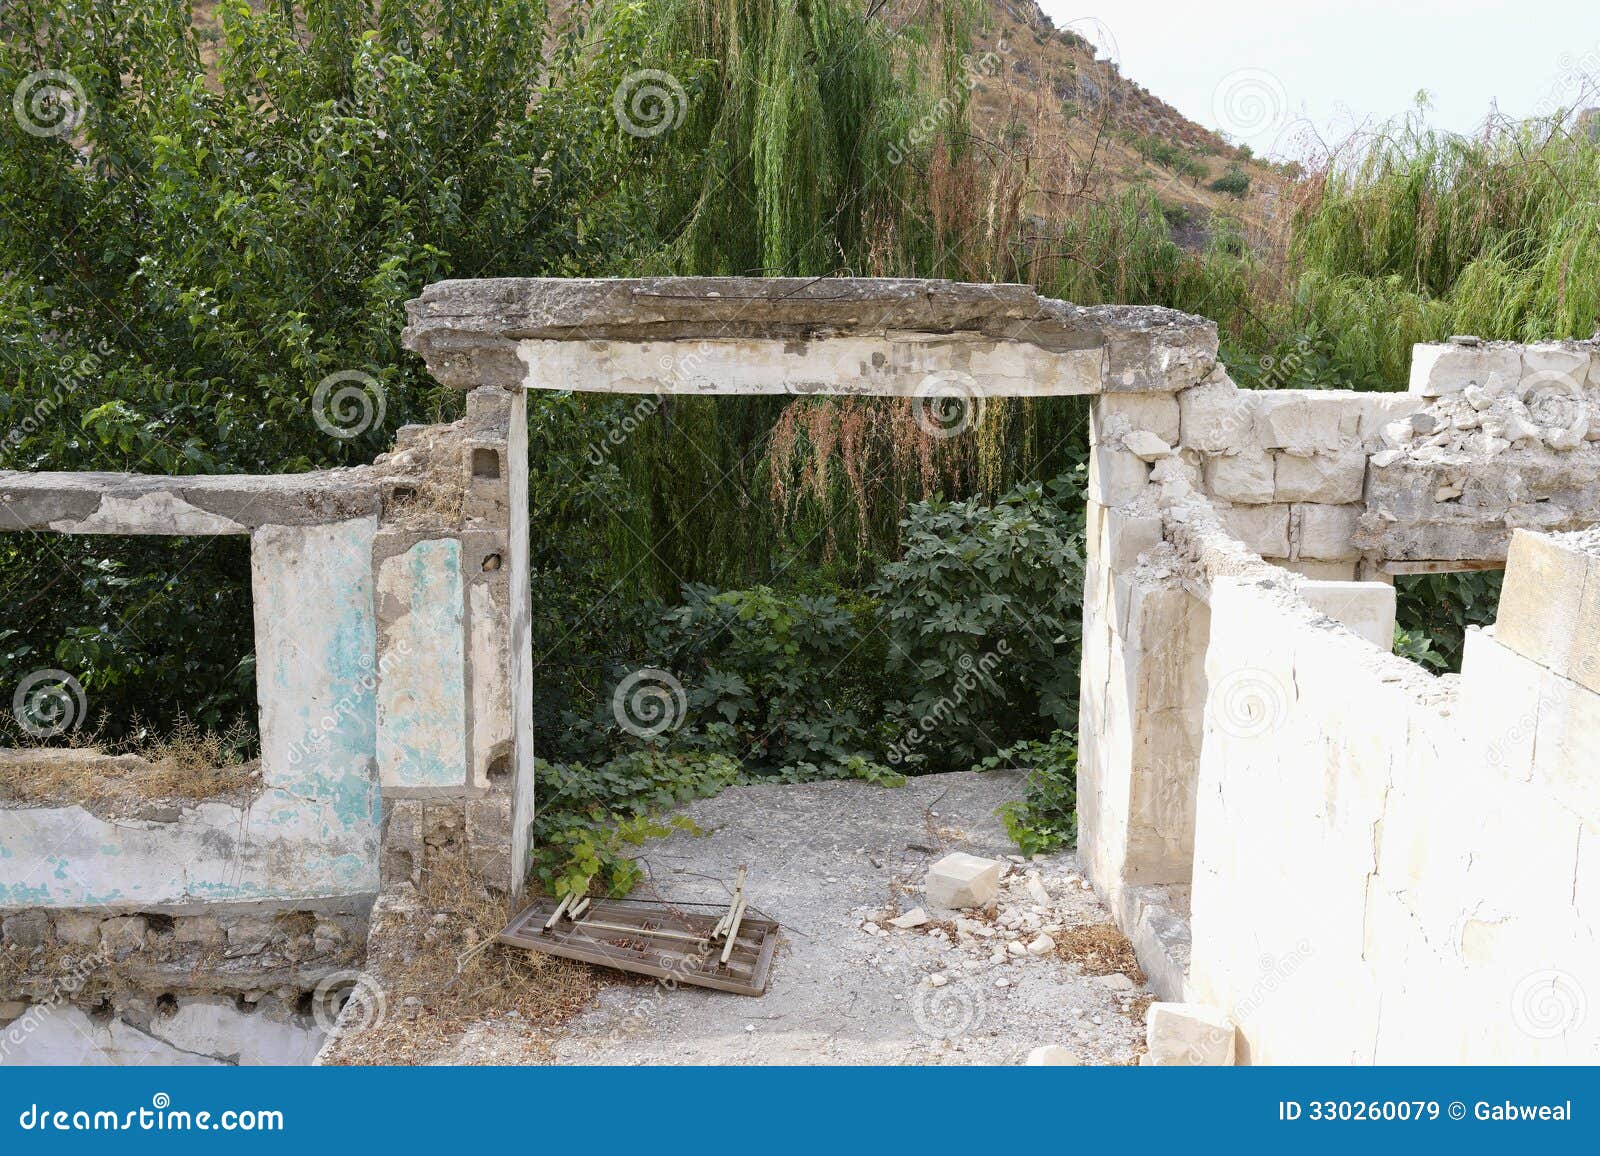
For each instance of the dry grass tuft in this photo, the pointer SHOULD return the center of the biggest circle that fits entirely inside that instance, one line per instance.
(188, 763)
(1100, 949)
(441, 973)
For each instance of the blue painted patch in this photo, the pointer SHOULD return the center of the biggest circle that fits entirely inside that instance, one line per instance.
(422, 702)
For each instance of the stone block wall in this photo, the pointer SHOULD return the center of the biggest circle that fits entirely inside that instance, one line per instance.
(1294, 491)
(1390, 868)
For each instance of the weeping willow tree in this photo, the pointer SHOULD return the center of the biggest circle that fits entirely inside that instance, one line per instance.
(1424, 234)
(818, 137)
(814, 125)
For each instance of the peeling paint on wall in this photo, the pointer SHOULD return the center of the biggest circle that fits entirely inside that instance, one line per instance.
(422, 694)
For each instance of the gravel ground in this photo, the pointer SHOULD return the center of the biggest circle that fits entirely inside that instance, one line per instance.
(832, 862)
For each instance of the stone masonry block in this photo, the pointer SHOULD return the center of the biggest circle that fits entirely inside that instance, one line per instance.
(1156, 412)
(1217, 415)
(960, 880)
(1335, 478)
(1440, 369)
(1126, 538)
(1555, 360)
(1246, 476)
(1325, 533)
(78, 929)
(1550, 606)
(123, 936)
(1264, 529)
(1379, 409)
(1308, 420)
(1188, 1035)
(1116, 476)
(1367, 608)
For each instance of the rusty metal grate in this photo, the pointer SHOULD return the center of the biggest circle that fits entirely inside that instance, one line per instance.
(650, 938)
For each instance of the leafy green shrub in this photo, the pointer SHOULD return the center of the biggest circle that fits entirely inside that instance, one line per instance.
(780, 681)
(588, 817)
(1235, 182)
(224, 231)
(1433, 611)
(1046, 818)
(983, 620)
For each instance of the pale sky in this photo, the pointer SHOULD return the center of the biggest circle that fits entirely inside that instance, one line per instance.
(1266, 72)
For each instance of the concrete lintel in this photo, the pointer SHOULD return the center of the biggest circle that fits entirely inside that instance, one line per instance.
(106, 503)
(485, 332)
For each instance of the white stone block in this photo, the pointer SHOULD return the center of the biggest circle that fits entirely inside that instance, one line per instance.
(1116, 476)
(1264, 529)
(1156, 412)
(1245, 476)
(1335, 478)
(1566, 753)
(1308, 420)
(1126, 538)
(1052, 1055)
(960, 880)
(1146, 446)
(1216, 415)
(1499, 703)
(1550, 363)
(1325, 533)
(1367, 608)
(1440, 369)
(1189, 1035)
(1380, 409)
(1544, 614)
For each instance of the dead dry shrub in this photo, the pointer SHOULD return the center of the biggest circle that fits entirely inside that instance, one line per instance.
(187, 763)
(1100, 949)
(441, 972)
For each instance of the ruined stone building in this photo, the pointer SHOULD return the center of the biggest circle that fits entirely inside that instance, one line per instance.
(1349, 858)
